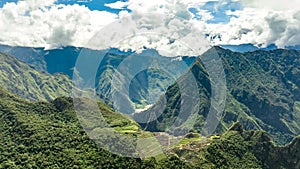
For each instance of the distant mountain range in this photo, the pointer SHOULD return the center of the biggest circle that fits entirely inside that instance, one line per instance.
(247, 48)
(251, 47)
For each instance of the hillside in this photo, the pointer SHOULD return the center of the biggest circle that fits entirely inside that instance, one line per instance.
(237, 148)
(144, 87)
(139, 79)
(48, 135)
(31, 56)
(263, 88)
(263, 93)
(25, 81)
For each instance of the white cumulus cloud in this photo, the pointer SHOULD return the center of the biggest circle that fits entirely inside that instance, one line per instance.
(42, 23)
(259, 26)
(260, 22)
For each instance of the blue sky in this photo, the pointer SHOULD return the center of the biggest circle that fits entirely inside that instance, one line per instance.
(92, 4)
(2, 2)
(218, 10)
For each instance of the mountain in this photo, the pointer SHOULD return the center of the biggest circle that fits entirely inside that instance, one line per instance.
(27, 82)
(48, 135)
(51, 61)
(237, 148)
(263, 87)
(262, 93)
(144, 87)
(31, 56)
(250, 48)
(137, 79)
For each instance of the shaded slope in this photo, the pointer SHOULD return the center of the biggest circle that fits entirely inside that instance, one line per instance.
(116, 76)
(262, 82)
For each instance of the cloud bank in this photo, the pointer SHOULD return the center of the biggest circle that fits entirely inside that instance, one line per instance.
(40, 23)
(260, 26)
(44, 23)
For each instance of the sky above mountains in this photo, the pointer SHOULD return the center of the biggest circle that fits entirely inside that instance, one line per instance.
(57, 23)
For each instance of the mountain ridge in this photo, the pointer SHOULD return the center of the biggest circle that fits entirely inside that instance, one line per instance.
(265, 95)
(27, 82)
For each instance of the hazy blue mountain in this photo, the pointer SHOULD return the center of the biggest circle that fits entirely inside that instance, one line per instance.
(248, 48)
(251, 47)
(31, 56)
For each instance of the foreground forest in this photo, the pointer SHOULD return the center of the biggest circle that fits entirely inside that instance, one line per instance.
(48, 135)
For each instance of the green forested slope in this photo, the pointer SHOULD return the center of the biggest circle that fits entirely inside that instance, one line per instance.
(48, 135)
(25, 81)
(64, 60)
(263, 93)
(241, 149)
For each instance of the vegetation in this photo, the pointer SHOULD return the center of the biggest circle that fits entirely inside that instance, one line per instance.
(263, 94)
(48, 135)
(143, 87)
(25, 81)
(238, 148)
